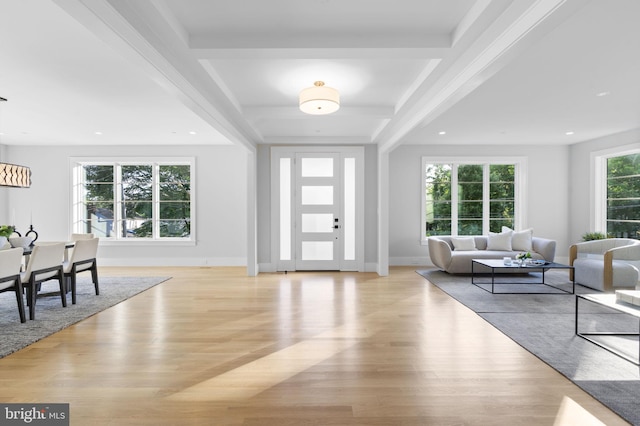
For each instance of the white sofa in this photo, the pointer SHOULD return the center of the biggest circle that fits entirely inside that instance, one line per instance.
(444, 256)
(606, 264)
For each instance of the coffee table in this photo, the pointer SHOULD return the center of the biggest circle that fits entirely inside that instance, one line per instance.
(608, 300)
(504, 271)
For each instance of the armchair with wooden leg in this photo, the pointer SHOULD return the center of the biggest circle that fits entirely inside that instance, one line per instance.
(45, 263)
(10, 265)
(607, 264)
(83, 258)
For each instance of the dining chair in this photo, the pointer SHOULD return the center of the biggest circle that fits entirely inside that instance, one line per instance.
(83, 258)
(76, 237)
(10, 265)
(45, 263)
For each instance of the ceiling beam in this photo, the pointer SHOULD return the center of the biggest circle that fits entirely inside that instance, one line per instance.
(389, 53)
(317, 140)
(320, 41)
(139, 31)
(293, 113)
(511, 32)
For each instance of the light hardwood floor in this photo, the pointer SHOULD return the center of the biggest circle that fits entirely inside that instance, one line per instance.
(212, 346)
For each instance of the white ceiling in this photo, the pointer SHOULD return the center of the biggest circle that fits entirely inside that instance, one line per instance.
(227, 71)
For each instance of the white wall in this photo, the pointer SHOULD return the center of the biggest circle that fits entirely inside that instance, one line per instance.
(547, 195)
(581, 171)
(264, 203)
(558, 201)
(221, 202)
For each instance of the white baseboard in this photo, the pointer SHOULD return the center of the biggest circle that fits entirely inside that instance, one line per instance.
(371, 267)
(410, 261)
(269, 267)
(173, 261)
(266, 267)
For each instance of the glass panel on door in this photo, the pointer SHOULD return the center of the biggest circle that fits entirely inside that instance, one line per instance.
(317, 250)
(317, 167)
(317, 195)
(317, 222)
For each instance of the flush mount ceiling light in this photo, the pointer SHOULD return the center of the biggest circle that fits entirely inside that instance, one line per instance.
(319, 99)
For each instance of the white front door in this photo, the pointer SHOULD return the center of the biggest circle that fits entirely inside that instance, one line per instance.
(317, 208)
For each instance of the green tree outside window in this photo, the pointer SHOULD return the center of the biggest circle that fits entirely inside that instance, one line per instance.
(154, 200)
(623, 196)
(473, 204)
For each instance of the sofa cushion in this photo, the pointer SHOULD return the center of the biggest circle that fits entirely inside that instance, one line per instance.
(499, 242)
(521, 240)
(463, 243)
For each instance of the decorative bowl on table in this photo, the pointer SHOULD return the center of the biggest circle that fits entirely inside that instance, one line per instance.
(22, 242)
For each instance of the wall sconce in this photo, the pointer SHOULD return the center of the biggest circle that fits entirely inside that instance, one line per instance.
(15, 176)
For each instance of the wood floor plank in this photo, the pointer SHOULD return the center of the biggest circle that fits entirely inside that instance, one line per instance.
(213, 346)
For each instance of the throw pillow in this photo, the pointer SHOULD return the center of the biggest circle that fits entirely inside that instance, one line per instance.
(521, 240)
(499, 242)
(463, 243)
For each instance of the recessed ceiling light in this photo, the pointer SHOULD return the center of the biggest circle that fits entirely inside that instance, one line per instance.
(442, 133)
(98, 133)
(192, 132)
(569, 133)
(601, 94)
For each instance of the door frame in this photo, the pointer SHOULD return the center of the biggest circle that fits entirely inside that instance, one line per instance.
(289, 152)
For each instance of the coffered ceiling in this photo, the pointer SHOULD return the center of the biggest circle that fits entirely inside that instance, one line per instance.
(178, 72)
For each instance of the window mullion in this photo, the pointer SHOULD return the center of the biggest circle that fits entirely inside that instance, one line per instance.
(454, 199)
(118, 202)
(155, 201)
(486, 202)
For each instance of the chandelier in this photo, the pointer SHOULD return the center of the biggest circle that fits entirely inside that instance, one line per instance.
(14, 175)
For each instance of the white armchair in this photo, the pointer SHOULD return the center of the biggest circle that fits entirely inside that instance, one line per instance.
(605, 264)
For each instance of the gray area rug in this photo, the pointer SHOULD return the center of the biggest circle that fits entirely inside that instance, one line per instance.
(544, 324)
(52, 317)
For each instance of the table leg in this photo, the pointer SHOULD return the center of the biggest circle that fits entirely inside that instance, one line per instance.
(576, 321)
(493, 275)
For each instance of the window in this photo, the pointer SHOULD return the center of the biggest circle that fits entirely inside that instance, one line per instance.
(469, 198)
(134, 200)
(623, 196)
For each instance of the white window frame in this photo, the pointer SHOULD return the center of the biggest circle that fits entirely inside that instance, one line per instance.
(520, 174)
(76, 164)
(598, 181)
